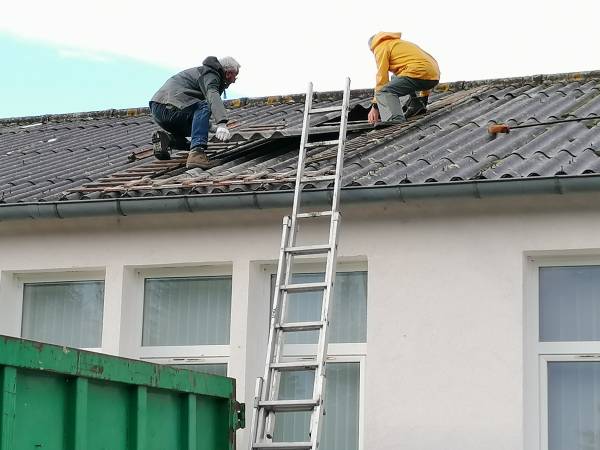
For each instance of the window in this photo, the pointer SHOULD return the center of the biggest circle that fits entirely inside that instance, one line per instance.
(186, 318)
(63, 312)
(342, 405)
(573, 390)
(349, 313)
(565, 353)
(186, 311)
(346, 361)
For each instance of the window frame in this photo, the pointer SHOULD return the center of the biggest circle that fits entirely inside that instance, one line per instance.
(336, 353)
(208, 353)
(538, 354)
(23, 278)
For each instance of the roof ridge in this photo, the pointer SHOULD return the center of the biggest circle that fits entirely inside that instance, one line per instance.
(295, 98)
(103, 114)
(536, 79)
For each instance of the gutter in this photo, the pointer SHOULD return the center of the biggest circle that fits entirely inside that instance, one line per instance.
(69, 209)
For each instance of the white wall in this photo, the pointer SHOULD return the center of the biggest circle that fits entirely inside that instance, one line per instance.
(445, 301)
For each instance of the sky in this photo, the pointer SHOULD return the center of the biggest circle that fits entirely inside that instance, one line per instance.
(65, 56)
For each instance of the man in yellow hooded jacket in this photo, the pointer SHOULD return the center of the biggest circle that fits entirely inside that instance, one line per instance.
(413, 70)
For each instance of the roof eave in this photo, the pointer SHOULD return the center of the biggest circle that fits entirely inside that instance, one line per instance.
(281, 199)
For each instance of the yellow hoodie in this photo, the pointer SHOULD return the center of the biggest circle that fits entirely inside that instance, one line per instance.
(402, 58)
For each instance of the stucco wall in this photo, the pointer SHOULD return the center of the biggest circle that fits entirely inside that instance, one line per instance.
(445, 358)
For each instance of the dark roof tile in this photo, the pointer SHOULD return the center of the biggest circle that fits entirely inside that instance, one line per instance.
(108, 153)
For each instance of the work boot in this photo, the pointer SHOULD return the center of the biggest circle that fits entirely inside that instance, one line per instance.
(197, 159)
(161, 142)
(416, 106)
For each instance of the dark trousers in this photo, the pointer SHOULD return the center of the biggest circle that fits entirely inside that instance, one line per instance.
(192, 121)
(388, 98)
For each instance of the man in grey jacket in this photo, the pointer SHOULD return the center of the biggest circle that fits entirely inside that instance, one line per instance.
(183, 107)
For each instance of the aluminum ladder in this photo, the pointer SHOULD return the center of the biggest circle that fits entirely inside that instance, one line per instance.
(267, 402)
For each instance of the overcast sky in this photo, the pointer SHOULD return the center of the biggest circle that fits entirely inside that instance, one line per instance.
(68, 55)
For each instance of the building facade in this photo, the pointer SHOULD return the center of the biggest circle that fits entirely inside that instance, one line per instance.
(449, 323)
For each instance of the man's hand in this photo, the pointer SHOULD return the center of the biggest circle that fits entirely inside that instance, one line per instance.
(373, 115)
(223, 133)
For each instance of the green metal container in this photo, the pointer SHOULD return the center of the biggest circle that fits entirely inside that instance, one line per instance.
(59, 398)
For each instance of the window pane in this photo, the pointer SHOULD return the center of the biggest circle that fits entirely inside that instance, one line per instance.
(212, 369)
(340, 424)
(570, 303)
(573, 405)
(349, 309)
(66, 313)
(186, 311)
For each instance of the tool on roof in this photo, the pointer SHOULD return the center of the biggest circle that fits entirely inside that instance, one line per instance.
(504, 128)
(267, 403)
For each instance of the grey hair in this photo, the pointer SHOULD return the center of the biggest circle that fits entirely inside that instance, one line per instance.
(229, 63)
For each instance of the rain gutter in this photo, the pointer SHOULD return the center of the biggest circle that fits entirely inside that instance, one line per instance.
(129, 206)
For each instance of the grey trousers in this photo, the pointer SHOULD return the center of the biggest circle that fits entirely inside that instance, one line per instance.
(388, 98)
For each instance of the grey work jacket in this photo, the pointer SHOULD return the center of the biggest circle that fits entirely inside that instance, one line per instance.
(206, 82)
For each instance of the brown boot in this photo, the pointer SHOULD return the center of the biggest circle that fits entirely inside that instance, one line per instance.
(197, 159)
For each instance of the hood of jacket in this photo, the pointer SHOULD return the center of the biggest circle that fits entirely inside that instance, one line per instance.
(213, 63)
(384, 36)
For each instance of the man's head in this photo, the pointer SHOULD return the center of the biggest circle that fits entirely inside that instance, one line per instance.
(231, 68)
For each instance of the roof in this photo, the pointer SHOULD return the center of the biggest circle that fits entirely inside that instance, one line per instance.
(108, 154)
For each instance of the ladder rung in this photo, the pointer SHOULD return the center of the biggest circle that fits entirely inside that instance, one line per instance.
(325, 109)
(295, 365)
(300, 326)
(308, 215)
(288, 405)
(318, 178)
(283, 445)
(321, 143)
(304, 287)
(309, 249)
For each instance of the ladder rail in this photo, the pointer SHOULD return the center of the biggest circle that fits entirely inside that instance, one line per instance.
(321, 372)
(275, 318)
(330, 272)
(301, 160)
(339, 166)
(255, 413)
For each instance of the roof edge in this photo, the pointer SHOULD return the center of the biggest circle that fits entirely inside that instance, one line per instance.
(478, 189)
(278, 99)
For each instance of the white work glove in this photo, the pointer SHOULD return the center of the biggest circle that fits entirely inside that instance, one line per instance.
(223, 133)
